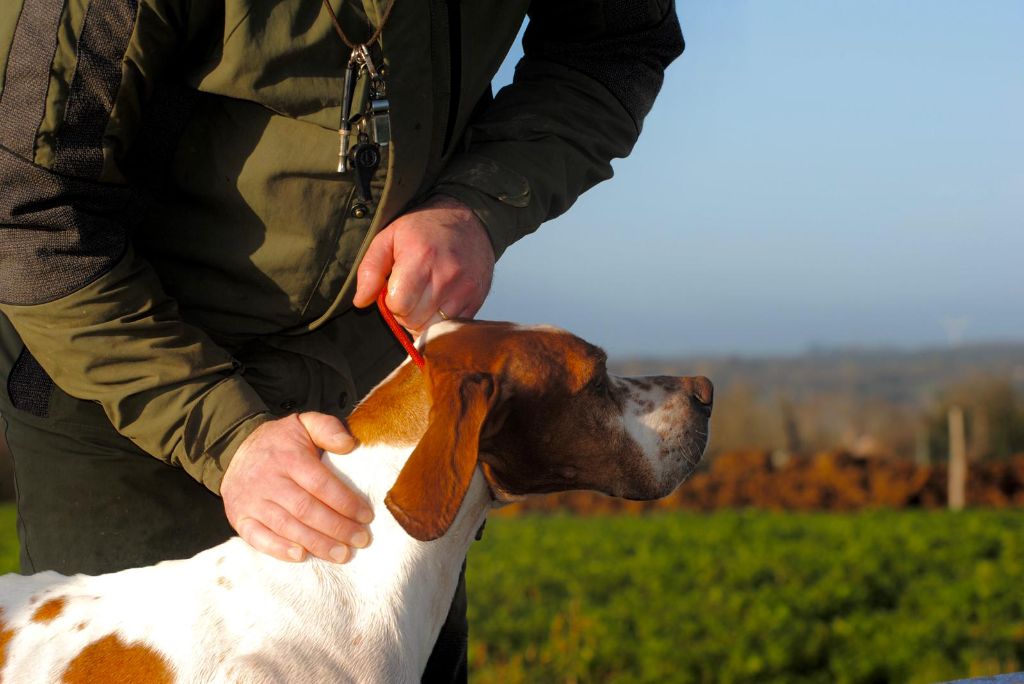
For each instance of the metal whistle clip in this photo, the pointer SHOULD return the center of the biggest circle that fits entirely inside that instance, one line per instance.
(365, 58)
(355, 61)
(379, 107)
(377, 110)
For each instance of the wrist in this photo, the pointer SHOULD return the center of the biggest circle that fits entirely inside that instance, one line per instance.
(226, 450)
(463, 214)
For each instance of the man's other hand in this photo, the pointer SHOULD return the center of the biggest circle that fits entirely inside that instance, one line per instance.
(439, 257)
(284, 501)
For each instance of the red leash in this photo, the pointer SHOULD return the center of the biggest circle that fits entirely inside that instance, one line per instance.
(397, 330)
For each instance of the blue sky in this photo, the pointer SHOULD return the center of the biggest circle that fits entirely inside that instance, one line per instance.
(813, 174)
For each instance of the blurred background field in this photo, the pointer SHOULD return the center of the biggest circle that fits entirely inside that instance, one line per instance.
(8, 540)
(749, 596)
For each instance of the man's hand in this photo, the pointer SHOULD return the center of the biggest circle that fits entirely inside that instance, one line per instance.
(282, 500)
(439, 257)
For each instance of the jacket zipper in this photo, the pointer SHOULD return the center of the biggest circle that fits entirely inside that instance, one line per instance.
(454, 70)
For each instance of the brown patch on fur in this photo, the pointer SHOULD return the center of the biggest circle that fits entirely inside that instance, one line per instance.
(112, 660)
(50, 610)
(6, 634)
(584, 364)
(669, 383)
(224, 582)
(80, 626)
(429, 491)
(395, 412)
(358, 640)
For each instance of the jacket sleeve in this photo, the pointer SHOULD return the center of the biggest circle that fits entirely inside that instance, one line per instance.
(92, 312)
(588, 77)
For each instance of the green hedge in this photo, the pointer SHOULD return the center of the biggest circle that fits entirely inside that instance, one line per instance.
(748, 597)
(8, 540)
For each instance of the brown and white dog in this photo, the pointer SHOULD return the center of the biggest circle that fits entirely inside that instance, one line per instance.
(500, 411)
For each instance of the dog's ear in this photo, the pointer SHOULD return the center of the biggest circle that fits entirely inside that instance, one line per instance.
(429, 491)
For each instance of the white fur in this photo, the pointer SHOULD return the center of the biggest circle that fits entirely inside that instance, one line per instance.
(232, 614)
(435, 330)
(651, 417)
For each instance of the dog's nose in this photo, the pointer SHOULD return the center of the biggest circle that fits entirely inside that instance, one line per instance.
(701, 389)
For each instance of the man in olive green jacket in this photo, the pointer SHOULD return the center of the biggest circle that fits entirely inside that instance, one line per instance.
(178, 254)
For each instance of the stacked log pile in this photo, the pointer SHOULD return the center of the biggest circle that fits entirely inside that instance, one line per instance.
(827, 481)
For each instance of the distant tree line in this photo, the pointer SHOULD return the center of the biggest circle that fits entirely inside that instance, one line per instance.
(993, 410)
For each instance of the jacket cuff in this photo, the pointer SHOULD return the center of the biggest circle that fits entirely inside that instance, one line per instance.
(498, 195)
(217, 425)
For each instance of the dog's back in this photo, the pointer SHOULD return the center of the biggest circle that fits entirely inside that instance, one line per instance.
(227, 614)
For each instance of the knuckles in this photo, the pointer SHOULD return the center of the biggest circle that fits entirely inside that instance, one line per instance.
(275, 518)
(302, 506)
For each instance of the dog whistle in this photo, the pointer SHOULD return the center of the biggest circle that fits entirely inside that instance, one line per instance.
(365, 161)
(345, 125)
(381, 118)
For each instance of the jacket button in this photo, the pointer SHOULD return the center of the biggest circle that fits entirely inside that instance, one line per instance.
(359, 211)
(289, 405)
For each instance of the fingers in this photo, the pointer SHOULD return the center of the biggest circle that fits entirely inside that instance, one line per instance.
(284, 501)
(410, 288)
(262, 539)
(314, 527)
(318, 481)
(427, 311)
(427, 284)
(327, 432)
(375, 267)
(464, 298)
(279, 532)
(438, 256)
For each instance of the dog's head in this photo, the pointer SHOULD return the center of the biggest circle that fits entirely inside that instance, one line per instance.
(537, 410)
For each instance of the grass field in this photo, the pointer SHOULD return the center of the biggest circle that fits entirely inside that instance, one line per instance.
(748, 597)
(740, 597)
(8, 540)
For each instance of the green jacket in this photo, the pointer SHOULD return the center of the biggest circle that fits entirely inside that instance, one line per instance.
(175, 243)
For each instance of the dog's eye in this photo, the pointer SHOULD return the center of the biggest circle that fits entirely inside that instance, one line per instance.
(599, 384)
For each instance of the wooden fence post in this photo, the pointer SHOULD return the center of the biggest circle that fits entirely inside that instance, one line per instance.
(957, 460)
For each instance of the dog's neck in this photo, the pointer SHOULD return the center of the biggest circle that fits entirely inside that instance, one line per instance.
(413, 581)
(409, 583)
(397, 591)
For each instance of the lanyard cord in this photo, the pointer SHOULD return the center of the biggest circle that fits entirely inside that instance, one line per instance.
(344, 37)
(397, 331)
